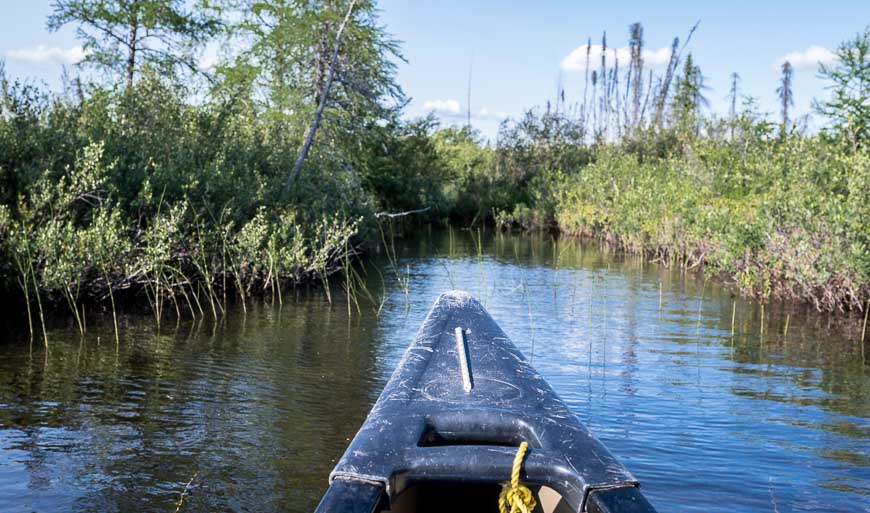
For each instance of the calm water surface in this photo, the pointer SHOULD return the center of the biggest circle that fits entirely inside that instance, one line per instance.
(250, 414)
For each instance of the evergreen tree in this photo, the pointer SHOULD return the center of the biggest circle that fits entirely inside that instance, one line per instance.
(733, 93)
(689, 97)
(328, 61)
(122, 36)
(784, 92)
(291, 47)
(849, 105)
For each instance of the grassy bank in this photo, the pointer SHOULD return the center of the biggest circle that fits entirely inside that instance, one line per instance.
(778, 217)
(787, 219)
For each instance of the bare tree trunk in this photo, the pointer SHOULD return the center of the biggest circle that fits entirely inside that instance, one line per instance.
(626, 99)
(594, 105)
(616, 93)
(636, 50)
(319, 64)
(666, 84)
(318, 114)
(604, 82)
(646, 98)
(131, 54)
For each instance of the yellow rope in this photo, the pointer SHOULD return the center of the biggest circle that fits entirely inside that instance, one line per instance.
(513, 494)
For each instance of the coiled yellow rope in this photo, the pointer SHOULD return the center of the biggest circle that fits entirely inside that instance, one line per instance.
(513, 494)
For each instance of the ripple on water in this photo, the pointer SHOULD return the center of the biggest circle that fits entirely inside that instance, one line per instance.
(256, 408)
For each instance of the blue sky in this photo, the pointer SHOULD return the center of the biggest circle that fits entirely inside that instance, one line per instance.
(519, 48)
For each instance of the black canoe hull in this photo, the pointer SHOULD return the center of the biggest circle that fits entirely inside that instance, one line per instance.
(453, 414)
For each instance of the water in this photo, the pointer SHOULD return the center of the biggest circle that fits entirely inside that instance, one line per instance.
(250, 414)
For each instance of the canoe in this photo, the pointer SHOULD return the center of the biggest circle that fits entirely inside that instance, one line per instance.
(445, 431)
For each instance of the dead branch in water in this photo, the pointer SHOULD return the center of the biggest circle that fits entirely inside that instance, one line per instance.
(184, 493)
(402, 214)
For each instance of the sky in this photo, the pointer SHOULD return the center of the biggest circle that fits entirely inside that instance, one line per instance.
(518, 52)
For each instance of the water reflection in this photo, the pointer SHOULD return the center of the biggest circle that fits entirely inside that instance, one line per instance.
(256, 408)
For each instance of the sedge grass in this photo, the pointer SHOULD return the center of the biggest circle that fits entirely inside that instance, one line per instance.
(864, 330)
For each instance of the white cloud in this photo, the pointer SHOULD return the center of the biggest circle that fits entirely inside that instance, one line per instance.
(207, 62)
(808, 59)
(576, 60)
(452, 109)
(488, 114)
(42, 53)
(444, 107)
(210, 57)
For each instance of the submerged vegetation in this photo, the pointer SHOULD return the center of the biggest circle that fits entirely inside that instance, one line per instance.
(156, 176)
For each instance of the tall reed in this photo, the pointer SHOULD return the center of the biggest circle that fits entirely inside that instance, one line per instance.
(390, 249)
(733, 316)
(112, 299)
(864, 329)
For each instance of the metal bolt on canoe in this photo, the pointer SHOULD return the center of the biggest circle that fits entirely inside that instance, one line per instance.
(445, 430)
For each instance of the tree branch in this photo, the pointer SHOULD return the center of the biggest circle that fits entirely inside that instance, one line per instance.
(318, 114)
(402, 214)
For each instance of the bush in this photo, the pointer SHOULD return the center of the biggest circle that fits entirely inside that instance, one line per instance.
(140, 190)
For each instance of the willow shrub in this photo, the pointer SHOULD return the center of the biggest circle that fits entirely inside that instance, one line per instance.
(784, 218)
(142, 192)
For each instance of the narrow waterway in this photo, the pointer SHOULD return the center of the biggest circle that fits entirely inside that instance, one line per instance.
(250, 413)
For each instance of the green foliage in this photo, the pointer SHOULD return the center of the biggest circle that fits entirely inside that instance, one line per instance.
(848, 108)
(780, 215)
(291, 43)
(140, 190)
(469, 184)
(122, 37)
(145, 182)
(785, 223)
(482, 181)
(404, 167)
(689, 97)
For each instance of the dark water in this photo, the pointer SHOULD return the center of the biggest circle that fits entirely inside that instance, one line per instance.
(250, 414)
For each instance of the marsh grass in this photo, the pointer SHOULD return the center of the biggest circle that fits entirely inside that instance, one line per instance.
(383, 295)
(701, 303)
(404, 282)
(26, 276)
(528, 300)
(864, 329)
(481, 272)
(733, 316)
(355, 285)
